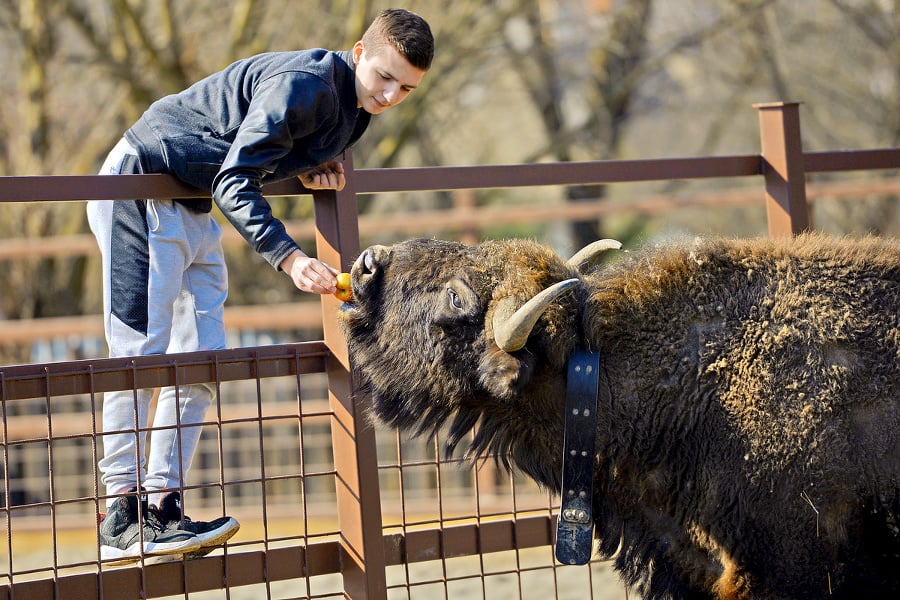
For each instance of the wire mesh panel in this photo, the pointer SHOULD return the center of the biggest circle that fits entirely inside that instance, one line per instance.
(452, 528)
(469, 529)
(264, 457)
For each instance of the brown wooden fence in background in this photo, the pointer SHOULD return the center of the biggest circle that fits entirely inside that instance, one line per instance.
(380, 516)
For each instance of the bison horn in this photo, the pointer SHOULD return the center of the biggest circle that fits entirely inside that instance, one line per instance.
(588, 255)
(512, 327)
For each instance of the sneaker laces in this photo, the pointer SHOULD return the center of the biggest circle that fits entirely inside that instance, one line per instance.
(152, 518)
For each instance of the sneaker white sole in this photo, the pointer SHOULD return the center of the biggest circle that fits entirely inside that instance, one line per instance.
(118, 556)
(211, 540)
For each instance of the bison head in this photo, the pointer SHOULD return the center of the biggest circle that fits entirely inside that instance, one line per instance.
(440, 330)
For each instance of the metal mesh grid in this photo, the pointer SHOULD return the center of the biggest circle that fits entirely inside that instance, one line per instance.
(423, 492)
(461, 530)
(264, 457)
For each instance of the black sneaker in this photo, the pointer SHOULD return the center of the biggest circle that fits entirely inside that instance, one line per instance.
(210, 534)
(124, 536)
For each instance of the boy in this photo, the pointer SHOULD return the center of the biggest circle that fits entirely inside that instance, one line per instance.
(265, 118)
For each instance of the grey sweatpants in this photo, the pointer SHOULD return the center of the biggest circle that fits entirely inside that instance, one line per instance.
(164, 288)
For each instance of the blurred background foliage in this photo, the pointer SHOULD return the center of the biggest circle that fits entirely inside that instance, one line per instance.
(513, 81)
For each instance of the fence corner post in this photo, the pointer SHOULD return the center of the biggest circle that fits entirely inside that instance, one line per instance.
(782, 164)
(352, 435)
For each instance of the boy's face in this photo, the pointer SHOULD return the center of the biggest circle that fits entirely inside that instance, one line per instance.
(383, 80)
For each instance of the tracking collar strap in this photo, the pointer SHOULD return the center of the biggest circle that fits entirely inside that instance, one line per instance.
(575, 526)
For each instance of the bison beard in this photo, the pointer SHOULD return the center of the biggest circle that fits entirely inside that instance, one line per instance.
(750, 447)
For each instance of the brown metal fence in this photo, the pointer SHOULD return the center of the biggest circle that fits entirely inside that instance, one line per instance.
(378, 516)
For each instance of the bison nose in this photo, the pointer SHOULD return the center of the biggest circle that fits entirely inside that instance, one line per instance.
(370, 260)
(368, 268)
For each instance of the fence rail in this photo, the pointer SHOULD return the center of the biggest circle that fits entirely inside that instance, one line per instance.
(306, 315)
(379, 516)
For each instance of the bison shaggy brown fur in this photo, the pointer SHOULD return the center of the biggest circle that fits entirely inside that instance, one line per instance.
(749, 448)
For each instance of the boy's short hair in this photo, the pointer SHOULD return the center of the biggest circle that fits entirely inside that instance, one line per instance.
(406, 32)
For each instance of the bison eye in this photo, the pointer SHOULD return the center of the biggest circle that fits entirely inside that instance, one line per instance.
(460, 300)
(455, 300)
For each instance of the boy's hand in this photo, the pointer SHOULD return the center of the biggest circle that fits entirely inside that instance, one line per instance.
(328, 176)
(310, 274)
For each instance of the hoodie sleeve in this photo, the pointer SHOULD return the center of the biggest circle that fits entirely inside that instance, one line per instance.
(284, 109)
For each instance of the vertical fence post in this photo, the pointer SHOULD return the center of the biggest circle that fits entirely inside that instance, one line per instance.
(782, 154)
(353, 438)
(465, 201)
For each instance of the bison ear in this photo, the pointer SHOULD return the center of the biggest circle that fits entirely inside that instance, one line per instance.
(503, 374)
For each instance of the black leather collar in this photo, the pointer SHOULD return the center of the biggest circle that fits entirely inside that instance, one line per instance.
(575, 526)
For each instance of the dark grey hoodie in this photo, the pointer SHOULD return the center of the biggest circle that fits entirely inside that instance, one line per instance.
(262, 119)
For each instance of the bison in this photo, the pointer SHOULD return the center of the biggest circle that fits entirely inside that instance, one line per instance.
(748, 446)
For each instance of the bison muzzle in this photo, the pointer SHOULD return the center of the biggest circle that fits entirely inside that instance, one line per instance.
(748, 446)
